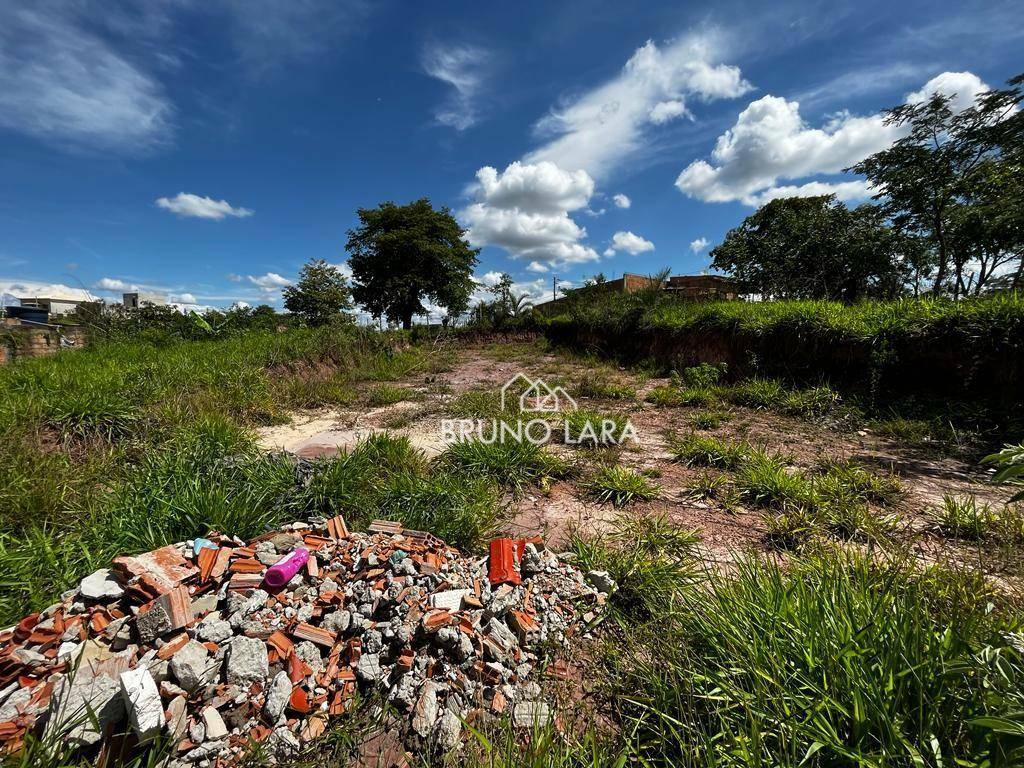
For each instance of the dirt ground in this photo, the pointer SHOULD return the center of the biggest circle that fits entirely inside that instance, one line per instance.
(564, 507)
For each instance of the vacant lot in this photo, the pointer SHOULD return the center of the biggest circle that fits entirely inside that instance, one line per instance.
(798, 583)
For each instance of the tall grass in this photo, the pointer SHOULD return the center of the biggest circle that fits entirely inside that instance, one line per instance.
(131, 444)
(831, 660)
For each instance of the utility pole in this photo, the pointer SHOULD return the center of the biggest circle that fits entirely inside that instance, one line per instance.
(554, 288)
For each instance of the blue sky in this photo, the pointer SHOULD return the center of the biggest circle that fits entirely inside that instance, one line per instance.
(202, 151)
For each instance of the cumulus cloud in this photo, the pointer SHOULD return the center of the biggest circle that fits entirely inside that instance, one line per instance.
(962, 88)
(62, 82)
(666, 111)
(604, 126)
(538, 188)
(536, 266)
(114, 284)
(621, 201)
(699, 244)
(525, 210)
(461, 67)
(270, 282)
(771, 143)
(187, 204)
(24, 289)
(183, 298)
(630, 243)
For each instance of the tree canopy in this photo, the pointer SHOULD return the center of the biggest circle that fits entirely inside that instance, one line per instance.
(402, 255)
(954, 180)
(320, 295)
(816, 248)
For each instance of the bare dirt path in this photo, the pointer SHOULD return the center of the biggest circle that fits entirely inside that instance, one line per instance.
(564, 507)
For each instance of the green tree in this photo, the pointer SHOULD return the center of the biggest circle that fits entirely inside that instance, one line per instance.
(815, 248)
(321, 295)
(402, 255)
(934, 181)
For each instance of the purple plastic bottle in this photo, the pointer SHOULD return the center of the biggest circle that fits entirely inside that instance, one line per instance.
(281, 572)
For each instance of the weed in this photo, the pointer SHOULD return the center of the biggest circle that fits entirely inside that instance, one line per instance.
(387, 394)
(707, 451)
(603, 388)
(512, 464)
(593, 428)
(842, 480)
(650, 558)
(620, 486)
(964, 518)
(672, 397)
(766, 480)
(708, 419)
(704, 375)
(706, 486)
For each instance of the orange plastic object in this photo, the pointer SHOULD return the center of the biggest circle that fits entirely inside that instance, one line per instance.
(502, 567)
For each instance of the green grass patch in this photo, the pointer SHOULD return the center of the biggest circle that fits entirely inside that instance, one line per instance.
(620, 486)
(388, 394)
(706, 451)
(591, 428)
(511, 464)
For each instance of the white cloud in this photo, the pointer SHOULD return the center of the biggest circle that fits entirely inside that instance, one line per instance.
(63, 83)
(114, 284)
(621, 201)
(539, 188)
(525, 210)
(666, 111)
(461, 67)
(34, 289)
(183, 298)
(961, 87)
(770, 142)
(488, 279)
(241, 305)
(536, 266)
(699, 244)
(601, 128)
(630, 243)
(271, 282)
(187, 204)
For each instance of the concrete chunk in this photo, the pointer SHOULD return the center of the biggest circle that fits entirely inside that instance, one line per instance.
(142, 700)
(100, 586)
(247, 660)
(278, 694)
(190, 665)
(81, 708)
(215, 727)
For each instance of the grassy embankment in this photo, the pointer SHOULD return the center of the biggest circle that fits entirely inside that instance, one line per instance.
(919, 366)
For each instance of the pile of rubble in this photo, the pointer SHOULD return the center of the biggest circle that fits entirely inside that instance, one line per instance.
(213, 644)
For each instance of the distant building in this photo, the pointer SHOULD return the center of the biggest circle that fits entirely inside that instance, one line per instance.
(691, 287)
(135, 300)
(703, 287)
(53, 306)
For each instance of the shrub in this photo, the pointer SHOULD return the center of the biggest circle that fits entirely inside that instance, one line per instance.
(703, 376)
(705, 486)
(620, 486)
(766, 480)
(706, 451)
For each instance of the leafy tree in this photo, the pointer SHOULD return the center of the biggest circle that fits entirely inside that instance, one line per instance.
(404, 254)
(321, 294)
(946, 177)
(816, 248)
